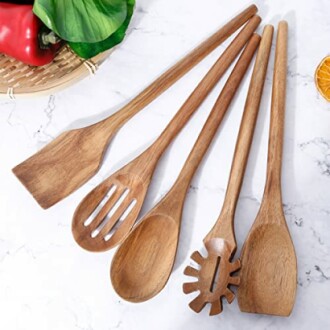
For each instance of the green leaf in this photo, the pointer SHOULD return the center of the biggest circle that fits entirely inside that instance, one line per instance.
(88, 50)
(82, 20)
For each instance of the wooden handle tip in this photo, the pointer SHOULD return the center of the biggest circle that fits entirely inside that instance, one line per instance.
(256, 18)
(283, 25)
(268, 28)
(256, 37)
(282, 33)
(267, 35)
(253, 8)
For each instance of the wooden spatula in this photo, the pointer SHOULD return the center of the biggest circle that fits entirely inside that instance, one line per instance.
(214, 275)
(98, 227)
(269, 265)
(143, 263)
(71, 159)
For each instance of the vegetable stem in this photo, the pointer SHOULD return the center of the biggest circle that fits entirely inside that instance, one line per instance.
(49, 38)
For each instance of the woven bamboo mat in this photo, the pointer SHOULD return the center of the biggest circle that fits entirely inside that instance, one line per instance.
(18, 79)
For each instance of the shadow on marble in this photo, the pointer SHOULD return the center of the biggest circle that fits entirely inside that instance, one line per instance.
(290, 188)
(263, 8)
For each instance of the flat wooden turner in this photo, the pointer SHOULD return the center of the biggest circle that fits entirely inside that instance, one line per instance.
(269, 265)
(75, 156)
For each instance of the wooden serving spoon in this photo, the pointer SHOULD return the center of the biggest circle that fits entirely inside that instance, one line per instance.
(269, 264)
(214, 275)
(143, 263)
(107, 214)
(75, 156)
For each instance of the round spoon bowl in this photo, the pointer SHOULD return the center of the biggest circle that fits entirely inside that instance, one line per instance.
(273, 273)
(143, 263)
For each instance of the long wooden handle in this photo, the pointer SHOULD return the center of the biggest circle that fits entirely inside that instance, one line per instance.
(276, 131)
(204, 88)
(248, 123)
(222, 104)
(173, 74)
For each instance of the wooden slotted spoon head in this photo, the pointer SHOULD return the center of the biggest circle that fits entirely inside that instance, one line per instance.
(143, 263)
(269, 265)
(114, 220)
(214, 275)
(75, 156)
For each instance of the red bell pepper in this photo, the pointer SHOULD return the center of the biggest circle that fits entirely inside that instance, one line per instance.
(21, 2)
(24, 37)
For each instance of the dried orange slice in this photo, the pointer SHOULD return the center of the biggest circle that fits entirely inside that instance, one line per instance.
(322, 78)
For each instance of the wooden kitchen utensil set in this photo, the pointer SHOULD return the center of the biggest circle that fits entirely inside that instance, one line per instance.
(107, 216)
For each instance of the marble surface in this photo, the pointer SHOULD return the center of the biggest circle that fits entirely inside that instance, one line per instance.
(48, 282)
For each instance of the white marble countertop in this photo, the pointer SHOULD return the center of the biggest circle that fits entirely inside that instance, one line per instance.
(48, 282)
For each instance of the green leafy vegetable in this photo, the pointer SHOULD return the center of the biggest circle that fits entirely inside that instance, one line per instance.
(88, 50)
(82, 20)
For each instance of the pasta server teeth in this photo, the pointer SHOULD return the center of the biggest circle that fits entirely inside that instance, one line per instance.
(219, 254)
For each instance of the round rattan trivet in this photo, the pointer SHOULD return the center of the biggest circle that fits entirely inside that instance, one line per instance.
(18, 79)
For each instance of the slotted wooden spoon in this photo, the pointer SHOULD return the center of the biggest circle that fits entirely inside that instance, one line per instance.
(75, 156)
(269, 265)
(143, 263)
(112, 221)
(215, 273)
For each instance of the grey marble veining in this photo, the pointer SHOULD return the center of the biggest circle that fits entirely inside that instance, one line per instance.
(48, 282)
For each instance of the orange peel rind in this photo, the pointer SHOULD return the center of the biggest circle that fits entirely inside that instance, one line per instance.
(322, 78)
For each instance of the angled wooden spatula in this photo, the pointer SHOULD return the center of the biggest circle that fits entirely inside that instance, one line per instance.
(71, 159)
(269, 265)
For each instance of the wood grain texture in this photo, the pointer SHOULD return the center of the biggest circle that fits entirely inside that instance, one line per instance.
(214, 275)
(136, 175)
(269, 265)
(143, 263)
(71, 159)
